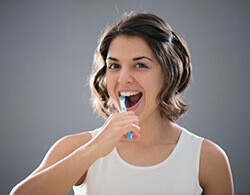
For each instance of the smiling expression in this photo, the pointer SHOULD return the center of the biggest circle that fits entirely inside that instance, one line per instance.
(133, 70)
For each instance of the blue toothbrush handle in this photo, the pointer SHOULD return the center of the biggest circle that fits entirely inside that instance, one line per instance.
(129, 136)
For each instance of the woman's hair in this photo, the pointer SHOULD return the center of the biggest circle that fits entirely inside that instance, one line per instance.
(170, 50)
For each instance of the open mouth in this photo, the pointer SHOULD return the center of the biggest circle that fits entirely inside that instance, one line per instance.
(131, 98)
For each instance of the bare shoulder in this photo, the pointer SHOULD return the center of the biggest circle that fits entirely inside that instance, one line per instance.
(215, 173)
(212, 151)
(62, 148)
(69, 143)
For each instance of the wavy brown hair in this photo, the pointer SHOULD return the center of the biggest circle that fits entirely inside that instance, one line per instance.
(170, 50)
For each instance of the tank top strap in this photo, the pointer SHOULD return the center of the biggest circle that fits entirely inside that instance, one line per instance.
(94, 132)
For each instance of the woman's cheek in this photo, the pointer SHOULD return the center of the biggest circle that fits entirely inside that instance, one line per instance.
(111, 87)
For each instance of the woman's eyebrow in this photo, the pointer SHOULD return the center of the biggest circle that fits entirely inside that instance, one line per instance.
(112, 58)
(134, 59)
(142, 57)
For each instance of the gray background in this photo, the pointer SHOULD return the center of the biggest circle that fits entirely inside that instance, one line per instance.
(46, 49)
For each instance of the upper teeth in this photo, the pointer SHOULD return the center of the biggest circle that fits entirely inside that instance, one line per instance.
(129, 93)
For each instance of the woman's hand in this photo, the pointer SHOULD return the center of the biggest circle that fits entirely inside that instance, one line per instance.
(114, 130)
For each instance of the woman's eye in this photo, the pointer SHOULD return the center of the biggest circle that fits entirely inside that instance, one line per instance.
(114, 66)
(140, 65)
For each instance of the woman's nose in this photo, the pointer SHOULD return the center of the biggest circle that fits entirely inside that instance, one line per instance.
(125, 77)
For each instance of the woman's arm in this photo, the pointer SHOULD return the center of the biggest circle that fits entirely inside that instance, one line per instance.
(68, 160)
(64, 164)
(215, 172)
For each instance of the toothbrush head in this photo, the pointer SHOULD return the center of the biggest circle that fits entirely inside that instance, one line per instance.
(122, 98)
(122, 103)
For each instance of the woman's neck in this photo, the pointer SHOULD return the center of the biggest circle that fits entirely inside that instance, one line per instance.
(156, 130)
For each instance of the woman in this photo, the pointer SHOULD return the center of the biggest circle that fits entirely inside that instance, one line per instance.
(141, 58)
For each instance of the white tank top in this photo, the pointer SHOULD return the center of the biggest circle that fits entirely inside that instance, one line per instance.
(178, 174)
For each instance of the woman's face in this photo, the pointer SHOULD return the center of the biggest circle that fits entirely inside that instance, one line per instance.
(133, 71)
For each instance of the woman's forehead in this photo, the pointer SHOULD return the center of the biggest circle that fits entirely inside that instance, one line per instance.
(129, 47)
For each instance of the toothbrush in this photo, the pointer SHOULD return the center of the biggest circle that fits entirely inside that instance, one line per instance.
(123, 107)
